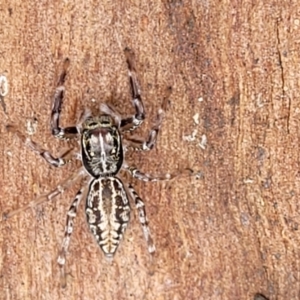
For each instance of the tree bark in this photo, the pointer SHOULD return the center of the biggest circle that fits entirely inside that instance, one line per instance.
(229, 232)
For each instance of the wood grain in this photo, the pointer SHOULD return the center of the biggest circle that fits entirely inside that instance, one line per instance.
(232, 233)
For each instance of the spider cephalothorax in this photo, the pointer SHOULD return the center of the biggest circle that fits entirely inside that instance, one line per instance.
(103, 144)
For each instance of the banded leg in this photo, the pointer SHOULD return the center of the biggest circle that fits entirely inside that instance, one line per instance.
(134, 172)
(71, 215)
(131, 123)
(139, 144)
(53, 161)
(62, 133)
(50, 196)
(143, 219)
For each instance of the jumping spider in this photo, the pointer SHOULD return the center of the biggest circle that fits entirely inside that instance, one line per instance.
(103, 146)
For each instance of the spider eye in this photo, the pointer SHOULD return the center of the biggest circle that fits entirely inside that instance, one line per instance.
(93, 124)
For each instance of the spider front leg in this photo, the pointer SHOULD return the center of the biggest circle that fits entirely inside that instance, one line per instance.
(131, 123)
(71, 215)
(46, 155)
(143, 218)
(62, 133)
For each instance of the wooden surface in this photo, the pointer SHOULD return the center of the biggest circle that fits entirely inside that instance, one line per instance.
(228, 235)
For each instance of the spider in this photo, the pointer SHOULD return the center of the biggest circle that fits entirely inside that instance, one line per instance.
(103, 146)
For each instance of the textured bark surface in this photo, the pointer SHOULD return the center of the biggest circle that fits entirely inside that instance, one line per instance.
(234, 69)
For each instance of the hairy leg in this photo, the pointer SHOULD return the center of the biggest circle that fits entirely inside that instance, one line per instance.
(136, 173)
(146, 145)
(50, 196)
(57, 131)
(143, 218)
(71, 215)
(46, 155)
(131, 123)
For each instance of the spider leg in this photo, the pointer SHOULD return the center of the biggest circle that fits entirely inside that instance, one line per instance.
(140, 144)
(137, 143)
(131, 123)
(139, 203)
(71, 215)
(50, 196)
(46, 155)
(134, 172)
(62, 133)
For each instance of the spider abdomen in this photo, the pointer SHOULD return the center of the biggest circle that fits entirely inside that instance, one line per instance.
(108, 212)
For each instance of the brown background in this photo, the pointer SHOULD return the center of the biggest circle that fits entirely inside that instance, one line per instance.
(228, 235)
